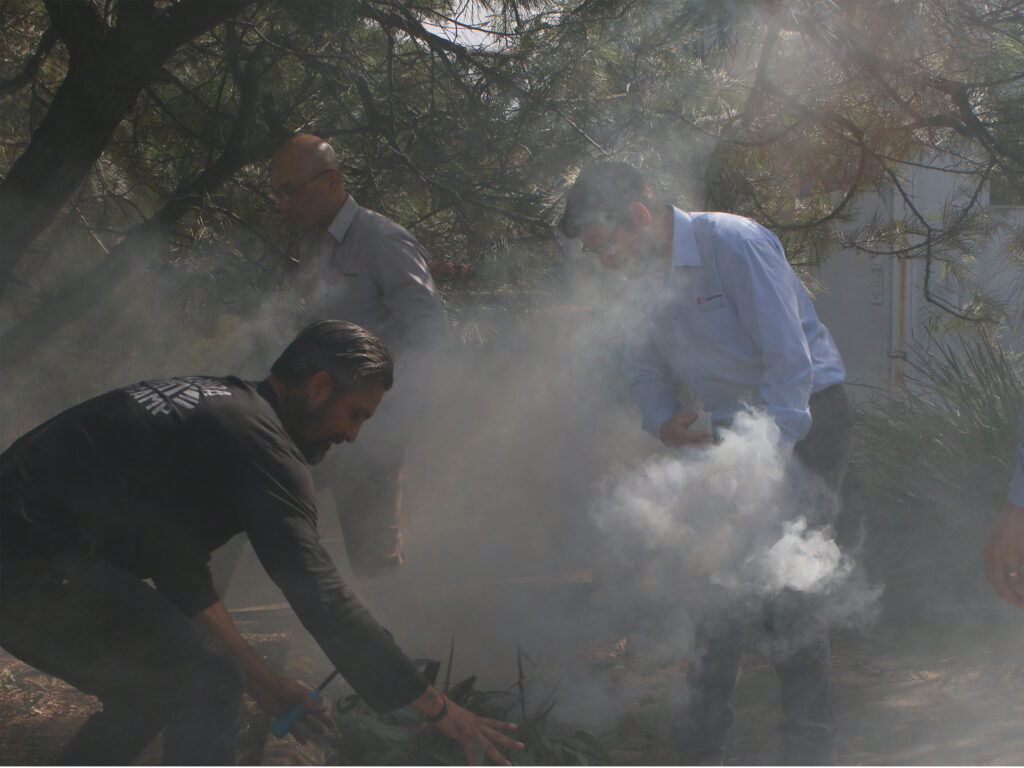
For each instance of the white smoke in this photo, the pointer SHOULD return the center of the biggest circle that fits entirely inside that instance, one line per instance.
(803, 560)
(732, 515)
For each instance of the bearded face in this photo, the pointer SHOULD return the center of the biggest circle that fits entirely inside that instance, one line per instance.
(317, 421)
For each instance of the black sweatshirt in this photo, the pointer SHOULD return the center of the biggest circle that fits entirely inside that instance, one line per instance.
(157, 475)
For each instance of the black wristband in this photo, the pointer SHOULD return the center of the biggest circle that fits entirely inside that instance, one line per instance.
(440, 715)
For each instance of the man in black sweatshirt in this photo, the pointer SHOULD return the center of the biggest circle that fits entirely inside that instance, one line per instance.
(144, 482)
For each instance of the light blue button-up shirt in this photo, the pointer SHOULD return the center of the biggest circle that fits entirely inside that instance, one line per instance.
(1017, 485)
(733, 322)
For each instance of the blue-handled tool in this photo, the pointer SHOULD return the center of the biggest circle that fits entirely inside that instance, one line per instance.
(283, 725)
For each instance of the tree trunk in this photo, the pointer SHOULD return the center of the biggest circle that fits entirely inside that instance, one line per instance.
(85, 111)
(108, 68)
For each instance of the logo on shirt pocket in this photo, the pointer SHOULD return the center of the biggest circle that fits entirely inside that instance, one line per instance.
(710, 302)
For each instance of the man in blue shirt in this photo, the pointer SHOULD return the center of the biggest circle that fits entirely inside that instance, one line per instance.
(1004, 555)
(725, 315)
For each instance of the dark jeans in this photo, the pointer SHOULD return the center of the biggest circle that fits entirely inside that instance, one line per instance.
(100, 628)
(801, 658)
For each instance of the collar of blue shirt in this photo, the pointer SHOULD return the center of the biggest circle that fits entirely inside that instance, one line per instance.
(685, 252)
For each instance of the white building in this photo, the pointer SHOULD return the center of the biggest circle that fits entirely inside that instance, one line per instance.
(876, 306)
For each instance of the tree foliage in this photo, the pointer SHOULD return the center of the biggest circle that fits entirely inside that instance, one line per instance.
(433, 132)
(136, 137)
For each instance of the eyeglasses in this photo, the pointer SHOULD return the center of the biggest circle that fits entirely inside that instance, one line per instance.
(289, 194)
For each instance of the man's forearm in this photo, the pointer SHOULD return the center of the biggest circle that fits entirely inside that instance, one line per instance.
(1004, 555)
(429, 703)
(217, 621)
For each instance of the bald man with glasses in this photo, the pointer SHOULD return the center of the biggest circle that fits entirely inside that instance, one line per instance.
(360, 266)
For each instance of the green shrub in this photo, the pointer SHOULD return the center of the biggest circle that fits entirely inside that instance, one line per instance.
(930, 471)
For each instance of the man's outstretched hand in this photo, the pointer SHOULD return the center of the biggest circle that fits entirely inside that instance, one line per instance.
(1004, 556)
(277, 694)
(676, 431)
(468, 729)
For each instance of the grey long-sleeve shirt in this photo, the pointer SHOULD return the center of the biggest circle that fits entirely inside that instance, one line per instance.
(370, 271)
(155, 476)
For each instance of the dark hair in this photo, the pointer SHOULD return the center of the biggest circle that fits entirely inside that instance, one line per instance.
(352, 355)
(602, 194)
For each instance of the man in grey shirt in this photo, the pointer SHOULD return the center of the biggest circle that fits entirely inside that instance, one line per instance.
(360, 266)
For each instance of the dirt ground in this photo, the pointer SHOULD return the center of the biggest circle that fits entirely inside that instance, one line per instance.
(950, 698)
(39, 714)
(959, 701)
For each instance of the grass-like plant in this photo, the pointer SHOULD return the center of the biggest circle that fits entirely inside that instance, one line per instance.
(364, 737)
(930, 470)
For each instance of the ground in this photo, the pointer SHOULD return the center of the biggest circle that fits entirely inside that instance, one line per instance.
(909, 697)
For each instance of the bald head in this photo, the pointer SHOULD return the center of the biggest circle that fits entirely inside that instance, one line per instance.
(307, 183)
(310, 150)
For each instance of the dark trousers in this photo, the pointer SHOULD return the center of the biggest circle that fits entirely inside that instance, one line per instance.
(800, 654)
(365, 479)
(83, 619)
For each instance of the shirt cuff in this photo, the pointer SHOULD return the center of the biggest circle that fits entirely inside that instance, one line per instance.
(785, 446)
(189, 599)
(1016, 496)
(654, 418)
